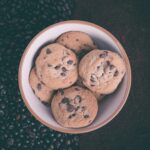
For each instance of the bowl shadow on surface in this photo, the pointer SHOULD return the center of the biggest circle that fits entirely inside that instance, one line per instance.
(105, 100)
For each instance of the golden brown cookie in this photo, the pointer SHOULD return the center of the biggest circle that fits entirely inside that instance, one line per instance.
(102, 71)
(76, 41)
(57, 66)
(74, 107)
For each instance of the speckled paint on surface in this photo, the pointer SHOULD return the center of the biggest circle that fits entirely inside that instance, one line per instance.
(20, 21)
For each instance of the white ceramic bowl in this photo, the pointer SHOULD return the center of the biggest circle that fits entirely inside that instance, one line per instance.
(108, 108)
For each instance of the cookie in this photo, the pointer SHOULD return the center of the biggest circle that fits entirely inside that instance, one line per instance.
(102, 71)
(79, 82)
(57, 66)
(40, 90)
(74, 107)
(76, 41)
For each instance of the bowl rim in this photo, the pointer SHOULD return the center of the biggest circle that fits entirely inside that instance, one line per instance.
(118, 109)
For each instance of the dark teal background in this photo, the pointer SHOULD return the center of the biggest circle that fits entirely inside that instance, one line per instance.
(21, 20)
(129, 21)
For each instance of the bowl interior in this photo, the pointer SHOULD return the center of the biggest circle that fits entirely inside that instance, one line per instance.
(107, 107)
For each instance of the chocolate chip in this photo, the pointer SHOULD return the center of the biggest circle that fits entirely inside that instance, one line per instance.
(64, 69)
(65, 100)
(86, 116)
(83, 108)
(76, 109)
(73, 115)
(69, 62)
(39, 87)
(108, 63)
(49, 65)
(104, 54)
(63, 74)
(57, 67)
(77, 40)
(70, 108)
(48, 51)
(116, 73)
(92, 85)
(77, 89)
(70, 117)
(61, 91)
(111, 67)
(98, 67)
(78, 99)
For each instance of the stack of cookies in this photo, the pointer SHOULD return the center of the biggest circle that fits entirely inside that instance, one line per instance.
(72, 75)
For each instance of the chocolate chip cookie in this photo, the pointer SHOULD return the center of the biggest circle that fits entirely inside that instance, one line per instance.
(74, 107)
(76, 41)
(41, 91)
(57, 66)
(102, 71)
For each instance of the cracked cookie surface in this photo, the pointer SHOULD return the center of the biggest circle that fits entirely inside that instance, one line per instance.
(74, 107)
(57, 66)
(102, 71)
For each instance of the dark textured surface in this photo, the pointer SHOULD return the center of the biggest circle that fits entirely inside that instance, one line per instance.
(20, 21)
(129, 21)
